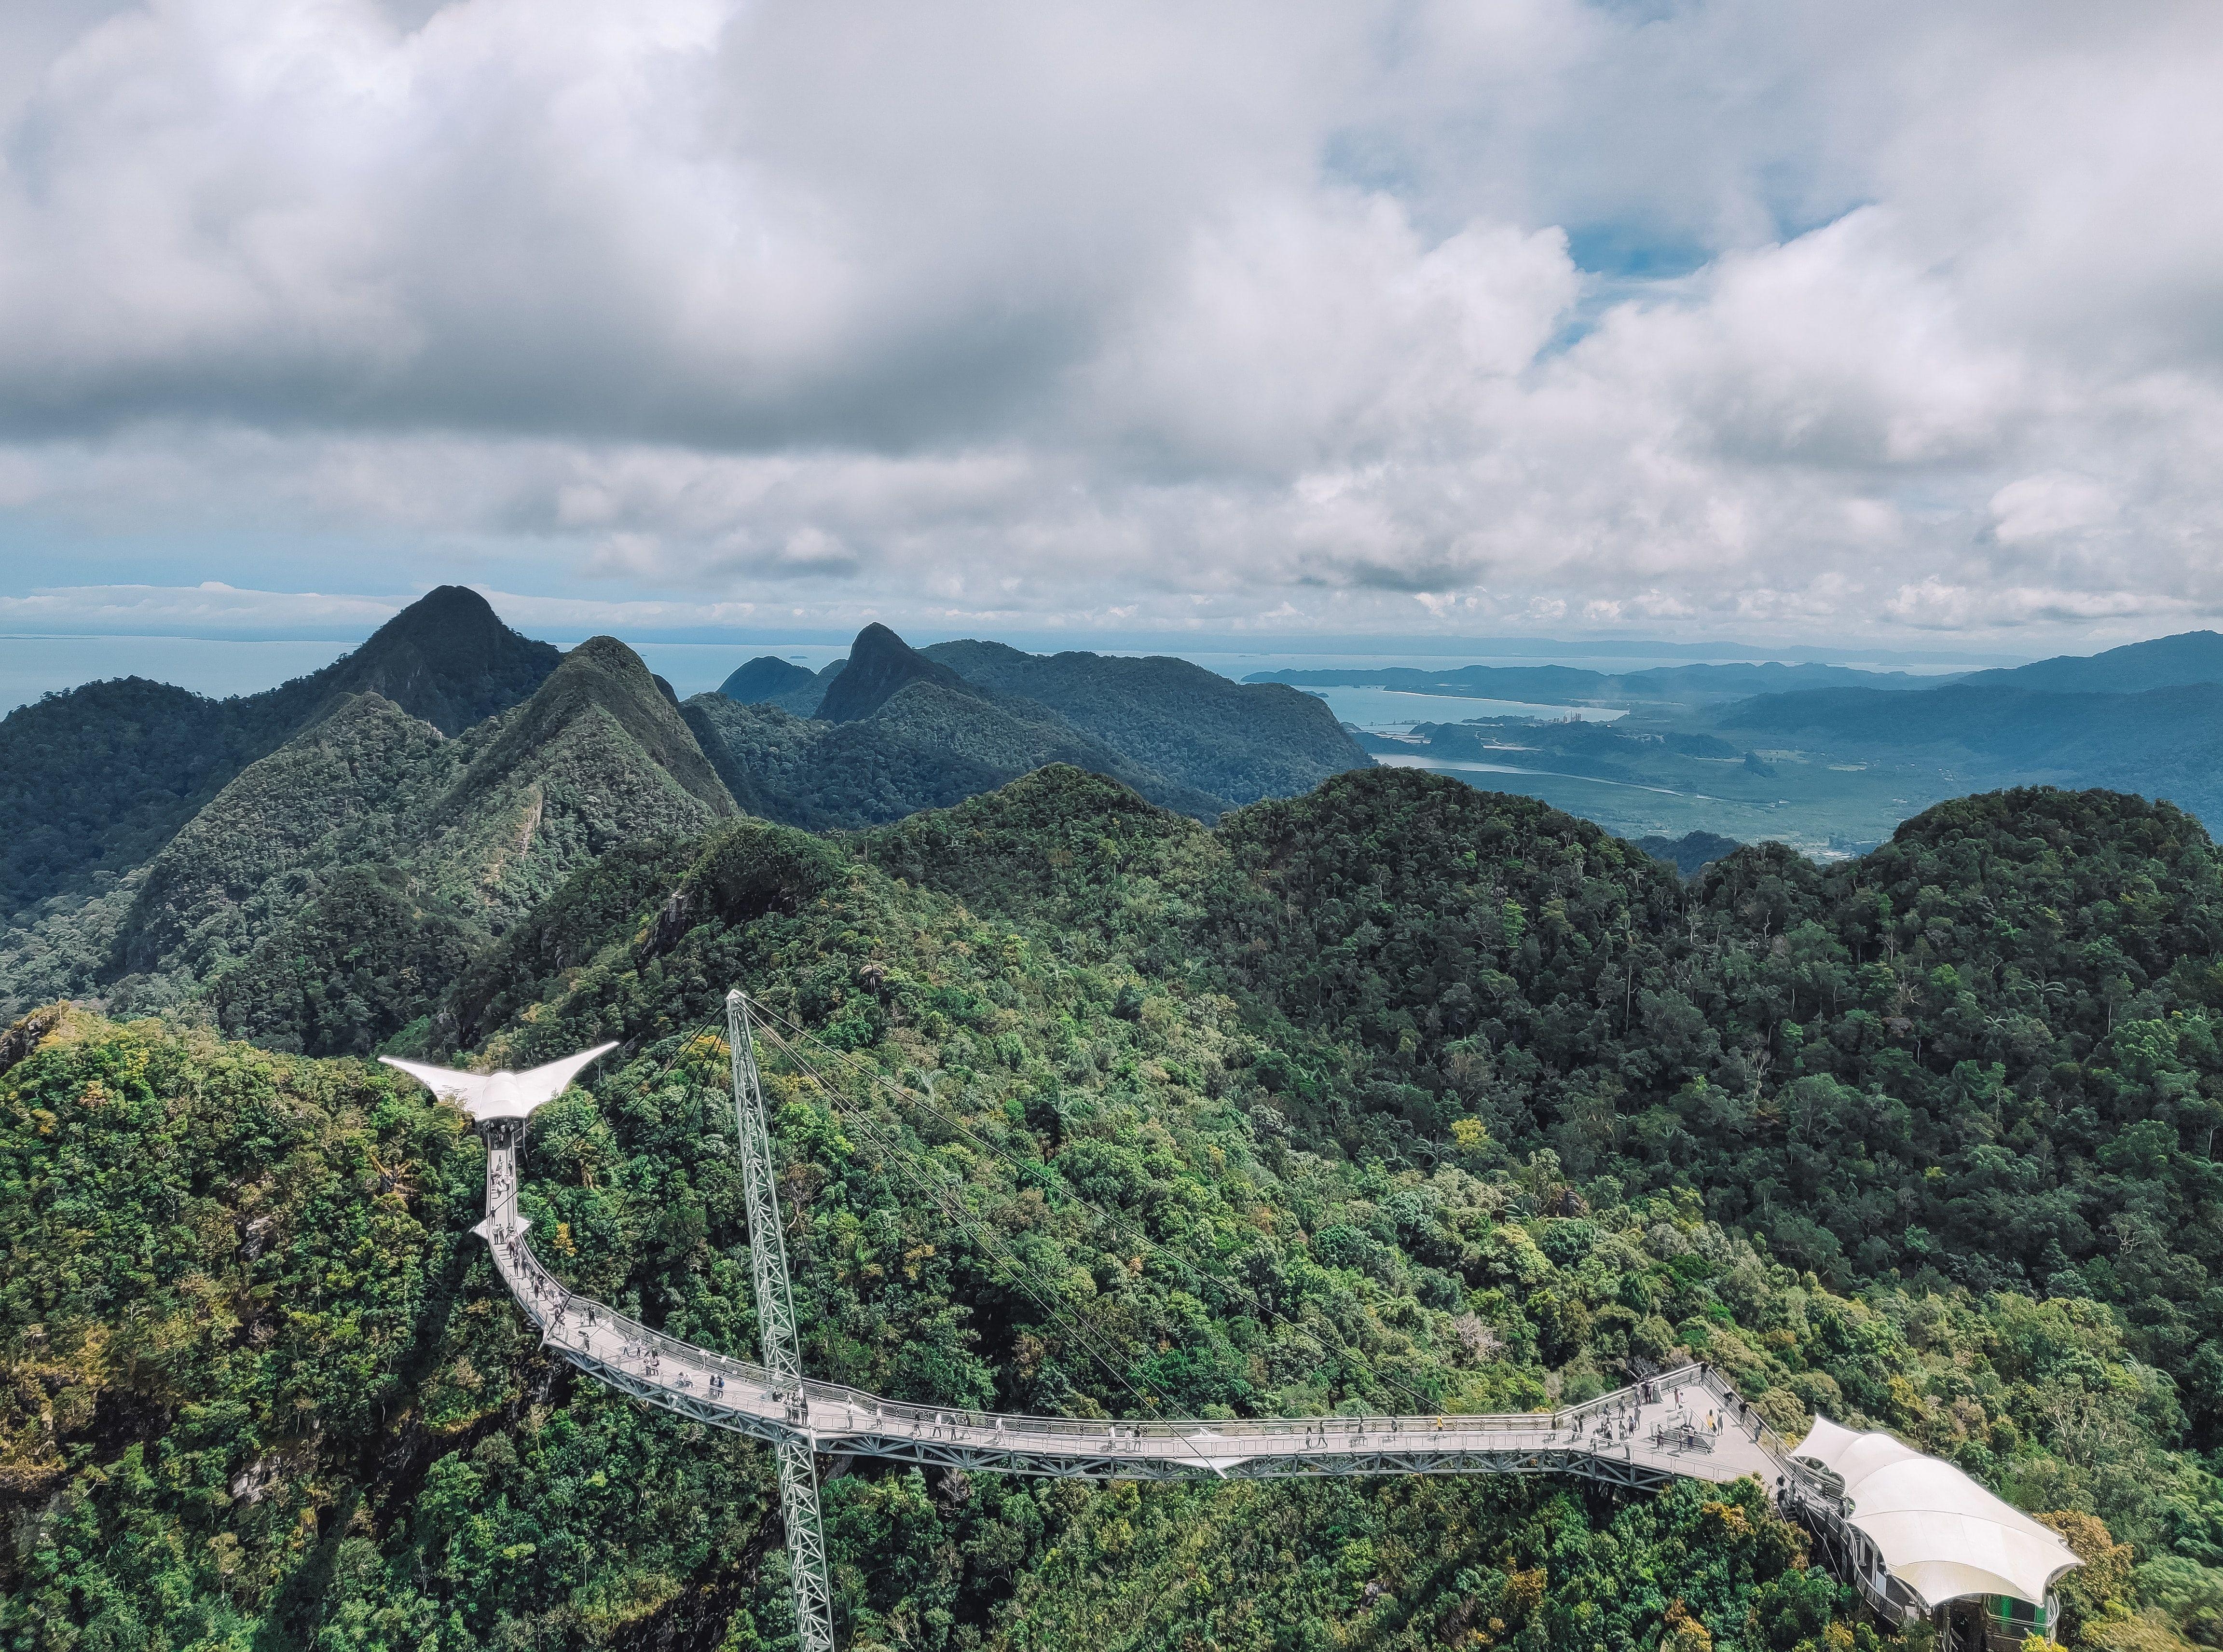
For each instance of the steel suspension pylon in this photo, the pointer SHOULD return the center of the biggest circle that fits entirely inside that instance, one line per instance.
(798, 1467)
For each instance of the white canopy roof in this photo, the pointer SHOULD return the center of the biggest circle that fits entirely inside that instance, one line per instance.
(1939, 1532)
(500, 1095)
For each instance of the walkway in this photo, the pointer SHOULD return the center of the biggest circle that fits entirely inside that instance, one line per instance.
(1686, 1424)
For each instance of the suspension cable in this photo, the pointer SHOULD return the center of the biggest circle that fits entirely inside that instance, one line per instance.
(686, 1044)
(955, 1210)
(1195, 1272)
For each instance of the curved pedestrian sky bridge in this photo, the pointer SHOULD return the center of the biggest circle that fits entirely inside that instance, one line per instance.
(1914, 1534)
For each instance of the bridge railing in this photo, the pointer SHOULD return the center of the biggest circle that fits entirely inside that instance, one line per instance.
(815, 1405)
(545, 1297)
(1567, 1421)
(1762, 1434)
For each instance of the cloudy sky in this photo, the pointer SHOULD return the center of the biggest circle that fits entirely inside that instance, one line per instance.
(1759, 319)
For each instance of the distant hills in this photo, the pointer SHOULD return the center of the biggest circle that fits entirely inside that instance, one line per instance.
(916, 741)
(1828, 757)
(2165, 662)
(770, 681)
(2147, 718)
(319, 864)
(93, 780)
(1561, 684)
(1692, 852)
(1236, 741)
(895, 729)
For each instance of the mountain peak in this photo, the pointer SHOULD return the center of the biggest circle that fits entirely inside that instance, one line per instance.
(880, 663)
(609, 654)
(447, 604)
(764, 679)
(604, 676)
(447, 619)
(447, 658)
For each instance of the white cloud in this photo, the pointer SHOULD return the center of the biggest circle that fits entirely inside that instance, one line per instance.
(1325, 328)
(2033, 509)
(138, 610)
(1732, 314)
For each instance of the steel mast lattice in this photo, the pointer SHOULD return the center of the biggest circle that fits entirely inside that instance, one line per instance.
(798, 1465)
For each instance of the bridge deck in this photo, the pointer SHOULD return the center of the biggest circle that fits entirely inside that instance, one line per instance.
(1690, 1427)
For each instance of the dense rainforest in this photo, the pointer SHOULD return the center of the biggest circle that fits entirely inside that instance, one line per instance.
(1394, 1094)
(94, 780)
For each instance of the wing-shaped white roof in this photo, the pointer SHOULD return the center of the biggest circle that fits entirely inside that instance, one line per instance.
(500, 1095)
(1939, 1532)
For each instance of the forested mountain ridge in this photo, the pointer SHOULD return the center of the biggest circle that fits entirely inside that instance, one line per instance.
(1184, 737)
(600, 692)
(897, 731)
(95, 779)
(2165, 741)
(2165, 663)
(597, 759)
(1245, 1043)
(333, 890)
(925, 747)
(1239, 741)
(1927, 1059)
(1930, 1060)
(353, 787)
(397, 811)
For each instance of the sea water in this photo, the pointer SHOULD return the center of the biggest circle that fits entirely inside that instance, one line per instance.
(34, 666)
(1392, 711)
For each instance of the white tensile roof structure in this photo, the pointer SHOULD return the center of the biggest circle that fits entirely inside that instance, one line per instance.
(1939, 1532)
(488, 1095)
